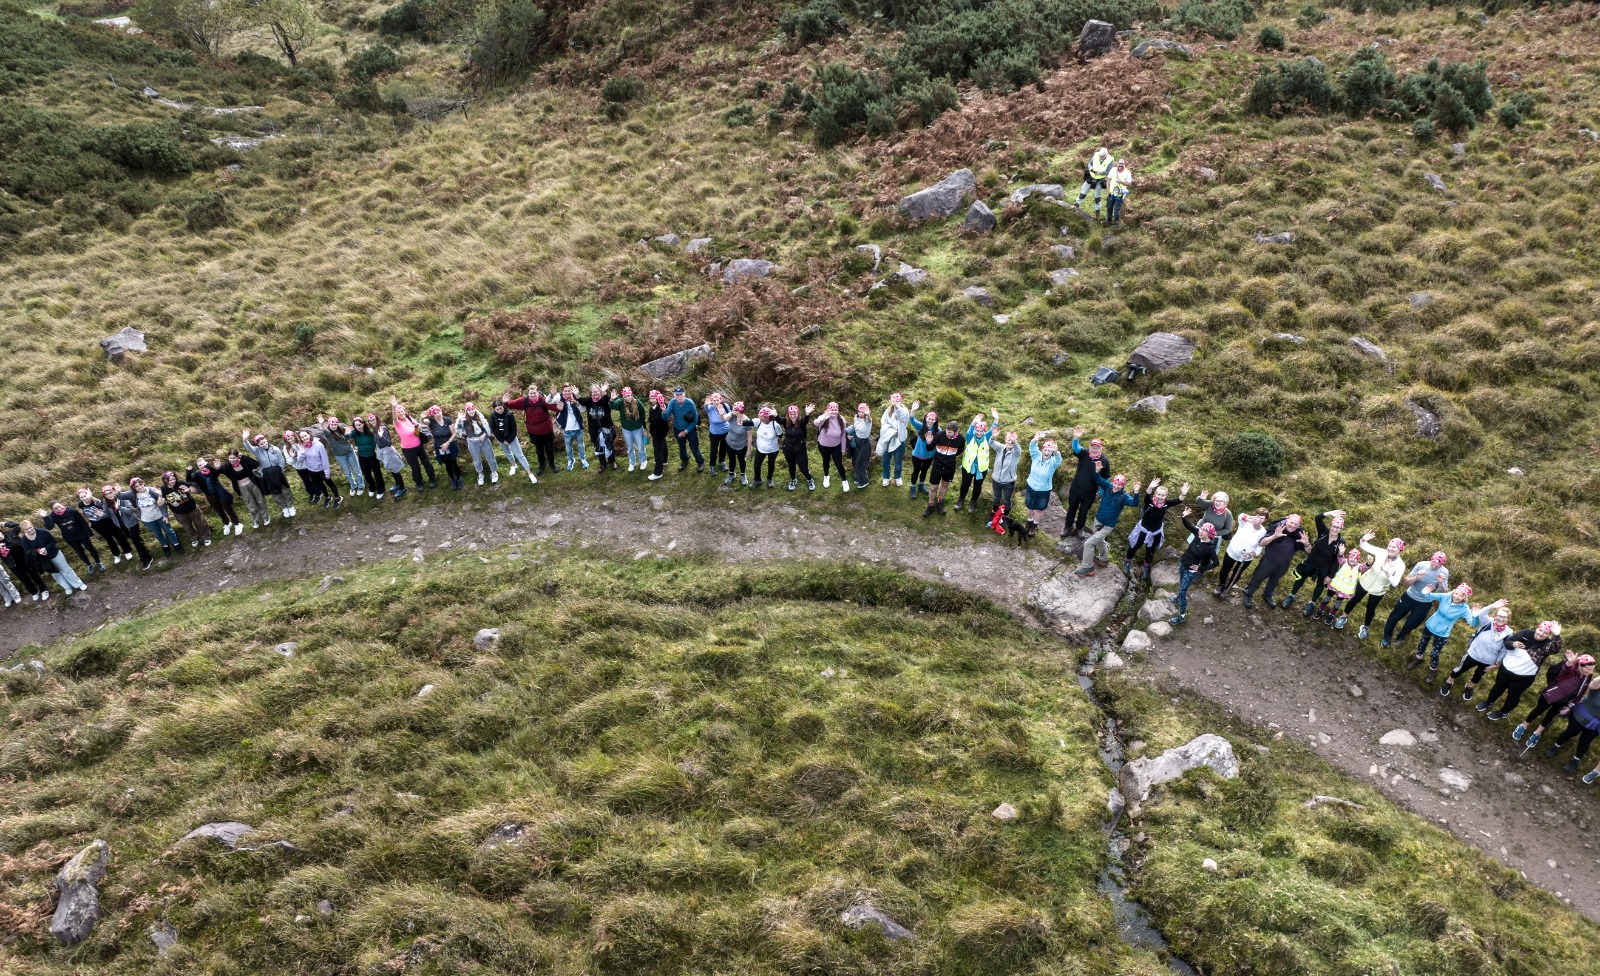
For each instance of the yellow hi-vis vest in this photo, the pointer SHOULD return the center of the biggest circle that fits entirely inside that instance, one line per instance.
(977, 451)
(1100, 166)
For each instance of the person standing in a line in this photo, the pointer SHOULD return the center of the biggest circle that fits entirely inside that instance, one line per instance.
(1425, 579)
(859, 438)
(474, 428)
(894, 429)
(632, 416)
(75, 532)
(503, 425)
(660, 429)
(686, 427)
(1080, 493)
(1284, 538)
(1114, 497)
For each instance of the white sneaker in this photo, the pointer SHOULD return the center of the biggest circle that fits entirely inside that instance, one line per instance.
(208, 542)
(845, 484)
(885, 483)
(238, 528)
(45, 595)
(195, 543)
(115, 559)
(513, 471)
(480, 479)
(654, 477)
(631, 466)
(825, 481)
(494, 477)
(82, 588)
(586, 464)
(897, 482)
(532, 479)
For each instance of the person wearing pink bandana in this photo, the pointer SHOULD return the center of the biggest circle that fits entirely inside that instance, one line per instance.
(1484, 651)
(1150, 530)
(922, 451)
(830, 444)
(769, 441)
(660, 429)
(795, 454)
(1452, 606)
(1322, 561)
(894, 430)
(975, 458)
(735, 442)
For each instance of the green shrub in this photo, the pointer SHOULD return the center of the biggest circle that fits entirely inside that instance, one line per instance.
(379, 59)
(206, 211)
(507, 39)
(813, 23)
(1450, 111)
(1223, 19)
(1270, 39)
(143, 148)
(1368, 85)
(426, 20)
(741, 114)
(930, 98)
(1516, 109)
(1283, 88)
(618, 91)
(1251, 454)
(847, 102)
(1422, 130)
(1310, 16)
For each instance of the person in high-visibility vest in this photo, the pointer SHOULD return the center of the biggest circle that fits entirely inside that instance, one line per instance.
(1121, 181)
(1095, 176)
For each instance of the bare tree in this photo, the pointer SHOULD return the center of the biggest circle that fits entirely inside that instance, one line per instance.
(293, 23)
(206, 24)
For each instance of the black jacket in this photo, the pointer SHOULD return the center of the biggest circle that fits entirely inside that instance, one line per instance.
(503, 424)
(660, 426)
(208, 484)
(71, 524)
(1083, 483)
(599, 413)
(249, 470)
(42, 539)
(1200, 551)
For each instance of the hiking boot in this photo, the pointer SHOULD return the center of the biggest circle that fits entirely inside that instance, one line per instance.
(1550, 753)
(941, 506)
(1084, 571)
(1310, 609)
(1248, 604)
(928, 511)
(1101, 562)
(913, 492)
(1413, 664)
(793, 484)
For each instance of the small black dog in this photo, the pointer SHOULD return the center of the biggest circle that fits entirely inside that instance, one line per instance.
(1004, 524)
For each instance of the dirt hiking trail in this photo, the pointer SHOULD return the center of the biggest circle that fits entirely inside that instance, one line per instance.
(1269, 668)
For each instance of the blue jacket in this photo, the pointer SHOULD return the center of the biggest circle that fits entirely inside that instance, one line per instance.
(1444, 618)
(919, 447)
(1112, 502)
(684, 416)
(1042, 470)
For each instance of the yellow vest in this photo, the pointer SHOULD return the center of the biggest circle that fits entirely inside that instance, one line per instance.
(977, 450)
(1099, 168)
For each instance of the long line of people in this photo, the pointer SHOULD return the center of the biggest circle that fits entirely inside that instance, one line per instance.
(1339, 579)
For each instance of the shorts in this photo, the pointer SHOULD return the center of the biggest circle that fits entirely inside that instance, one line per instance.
(944, 468)
(1036, 501)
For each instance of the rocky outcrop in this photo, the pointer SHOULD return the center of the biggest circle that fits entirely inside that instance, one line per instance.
(1369, 348)
(127, 340)
(941, 199)
(1151, 404)
(1096, 38)
(1141, 776)
(78, 887)
(674, 365)
(979, 295)
(486, 639)
(1074, 605)
(1145, 49)
(1427, 421)
(907, 276)
(980, 219)
(1053, 190)
(1435, 181)
(1284, 237)
(228, 833)
(701, 245)
(746, 269)
(865, 914)
(1161, 351)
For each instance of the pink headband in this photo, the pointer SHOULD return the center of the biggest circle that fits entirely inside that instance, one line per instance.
(1397, 541)
(1097, 442)
(1118, 481)
(1207, 530)
(471, 407)
(1440, 557)
(833, 406)
(738, 407)
(863, 408)
(1584, 660)
(627, 391)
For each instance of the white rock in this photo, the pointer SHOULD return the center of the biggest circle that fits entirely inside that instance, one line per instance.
(425, 692)
(1113, 661)
(1209, 865)
(1004, 811)
(1137, 640)
(1455, 779)
(1140, 776)
(1398, 737)
(1159, 628)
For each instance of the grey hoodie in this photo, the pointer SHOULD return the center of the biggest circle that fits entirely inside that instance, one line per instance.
(1004, 471)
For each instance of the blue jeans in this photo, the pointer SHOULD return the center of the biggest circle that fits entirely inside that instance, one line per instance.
(513, 452)
(352, 472)
(575, 448)
(690, 442)
(163, 531)
(635, 442)
(1185, 577)
(1114, 209)
(898, 456)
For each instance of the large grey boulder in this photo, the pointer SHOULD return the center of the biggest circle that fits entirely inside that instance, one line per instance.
(941, 199)
(746, 269)
(907, 276)
(1096, 38)
(701, 245)
(127, 340)
(1064, 252)
(1369, 348)
(1145, 49)
(1152, 404)
(864, 914)
(1156, 610)
(1073, 605)
(1053, 190)
(1161, 351)
(980, 219)
(77, 883)
(228, 833)
(979, 295)
(675, 364)
(486, 639)
(1435, 181)
(1141, 776)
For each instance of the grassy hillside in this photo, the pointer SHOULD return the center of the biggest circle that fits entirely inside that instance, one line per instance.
(707, 768)
(473, 252)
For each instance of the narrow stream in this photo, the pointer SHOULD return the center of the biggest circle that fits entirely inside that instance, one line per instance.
(1133, 922)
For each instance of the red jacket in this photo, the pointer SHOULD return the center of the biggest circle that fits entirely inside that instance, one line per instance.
(536, 414)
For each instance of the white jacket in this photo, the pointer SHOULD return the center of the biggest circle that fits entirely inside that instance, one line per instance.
(892, 428)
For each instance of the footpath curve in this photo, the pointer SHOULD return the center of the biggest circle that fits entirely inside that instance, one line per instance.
(1255, 665)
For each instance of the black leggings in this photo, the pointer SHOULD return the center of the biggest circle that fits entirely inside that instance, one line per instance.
(1314, 573)
(86, 551)
(1268, 573)
(1373, 599)
(311, 481)
(418, 459)
(1232, 572)
(115, 536)
(919, 470)
(772, 464)
(797, 457)
(544, 449)
(719, 449)
(451, 468)
(659, 443)
(29, 578)
(1078, 506)
(1544, 712)
(1152, 546)
(975, 482)
(1414, 612)
(329, 485)
(1515, 684)
(834, 454)
(1585, 738)
(224, 510)
(372, 474)
(733, 457)
(1469, 664)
